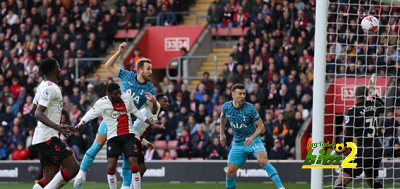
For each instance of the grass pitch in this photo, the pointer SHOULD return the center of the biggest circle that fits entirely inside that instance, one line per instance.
(184, 186)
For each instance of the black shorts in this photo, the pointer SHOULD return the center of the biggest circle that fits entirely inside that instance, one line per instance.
(140, 155)
(368, 165)
(52, 151)
(122, 144)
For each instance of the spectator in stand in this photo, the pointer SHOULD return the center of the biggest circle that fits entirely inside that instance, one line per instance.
(215, 150)
(277, 152)
(91, 95)
(99, 86)
(279, 127)
(240, 18)
(209, 84)
(201, 90)
(214, 16)
(200, 114)
(14, 137)
(184, 144)
(166, 16)
(200, 141)
(7, 116)
(20, 153)
(77, 143)
(167, 155)
(227, 17)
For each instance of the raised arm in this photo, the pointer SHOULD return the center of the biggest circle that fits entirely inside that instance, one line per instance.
(110, 64)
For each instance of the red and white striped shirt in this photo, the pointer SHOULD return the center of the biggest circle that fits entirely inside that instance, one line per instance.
(117, 116)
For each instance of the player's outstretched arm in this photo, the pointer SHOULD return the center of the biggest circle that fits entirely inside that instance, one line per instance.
(260, 130)
(222, 137)
(110, 64)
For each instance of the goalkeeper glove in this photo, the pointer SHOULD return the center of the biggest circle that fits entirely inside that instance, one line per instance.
(371, 86)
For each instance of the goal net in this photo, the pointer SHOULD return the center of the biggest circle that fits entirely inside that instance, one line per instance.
(352, 57)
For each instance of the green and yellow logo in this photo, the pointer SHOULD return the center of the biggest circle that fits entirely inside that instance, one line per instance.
(327, 160)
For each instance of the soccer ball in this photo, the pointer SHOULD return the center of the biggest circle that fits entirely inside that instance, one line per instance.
(370, 24)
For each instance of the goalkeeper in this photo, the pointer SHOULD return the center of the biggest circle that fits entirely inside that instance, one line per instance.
(361, 121)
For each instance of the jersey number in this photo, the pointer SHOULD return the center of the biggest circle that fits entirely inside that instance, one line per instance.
(371, 122)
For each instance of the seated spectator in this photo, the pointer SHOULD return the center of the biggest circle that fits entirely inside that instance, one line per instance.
(167, 155)
(214, 16)
(77, 143)
(208, 105)
(240, 18)
(151, 155)
(215, 150)
(200, 141)
(200, 114)
(21, 153)
(7, 117)
(183, 144)
(3, 151)
(279, 127)
(227, 17)
(277, 152)
(166, 17)
(13, 138)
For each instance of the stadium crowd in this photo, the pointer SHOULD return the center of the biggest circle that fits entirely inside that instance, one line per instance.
(274, 60)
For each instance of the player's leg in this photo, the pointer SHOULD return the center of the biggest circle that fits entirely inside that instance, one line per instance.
(342, 180)
(237, 156)
(131, 154)
(230, 176)
(91, 153)
(126, 166)
(64, 157)
(347, 175)
(49, 171)
(142, 168)
(260, 152)
(111, 177)
(114, 150)
(371, 172)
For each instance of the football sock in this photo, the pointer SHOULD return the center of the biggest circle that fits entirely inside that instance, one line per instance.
(90, 155)
(273, 175)
(136, 180)
(230, 182)
(112, 179)
(126, 173)
(57, 181)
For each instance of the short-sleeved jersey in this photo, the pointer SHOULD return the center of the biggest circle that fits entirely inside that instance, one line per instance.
(48, 95)
(140, 128)
(242, 120)
(116, 116)
(138, 90)
(362, 121)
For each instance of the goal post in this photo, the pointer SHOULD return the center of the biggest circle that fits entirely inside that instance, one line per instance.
(345, 57)
(319, 84)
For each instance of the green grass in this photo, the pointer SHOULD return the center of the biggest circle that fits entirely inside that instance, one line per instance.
(180, 186)
(165, 186)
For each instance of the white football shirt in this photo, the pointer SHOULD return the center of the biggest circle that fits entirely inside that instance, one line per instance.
(140, 128)
(48, 95)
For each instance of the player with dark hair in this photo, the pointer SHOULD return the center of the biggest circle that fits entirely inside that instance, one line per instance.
(140, 128)
(247, 127)
(53, 153)
(141, 91)
(361, 122)
(116, 109)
